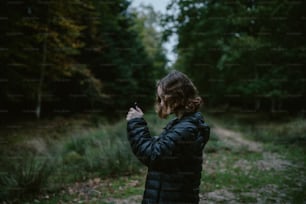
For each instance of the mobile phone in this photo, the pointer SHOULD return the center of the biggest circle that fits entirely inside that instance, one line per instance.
(135, 105)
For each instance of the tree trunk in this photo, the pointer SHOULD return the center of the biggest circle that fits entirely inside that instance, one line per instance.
(42, 72)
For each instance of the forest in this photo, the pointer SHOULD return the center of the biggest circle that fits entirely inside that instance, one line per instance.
(70, 70)
(64, 57)
(249, 54)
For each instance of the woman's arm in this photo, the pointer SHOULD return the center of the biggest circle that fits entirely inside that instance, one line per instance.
(150, 149)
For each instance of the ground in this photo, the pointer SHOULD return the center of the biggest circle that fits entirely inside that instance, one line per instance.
(216, 165)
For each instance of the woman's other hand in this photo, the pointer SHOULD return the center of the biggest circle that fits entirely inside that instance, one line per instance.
(134, 113)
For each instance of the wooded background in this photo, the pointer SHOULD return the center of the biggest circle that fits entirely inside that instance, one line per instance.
(65, 57)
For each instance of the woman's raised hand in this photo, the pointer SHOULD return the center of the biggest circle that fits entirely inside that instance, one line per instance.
(134, 113)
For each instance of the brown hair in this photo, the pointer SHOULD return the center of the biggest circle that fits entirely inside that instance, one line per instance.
(179, 93)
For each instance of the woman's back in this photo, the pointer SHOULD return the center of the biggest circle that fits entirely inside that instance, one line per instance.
(174, 169)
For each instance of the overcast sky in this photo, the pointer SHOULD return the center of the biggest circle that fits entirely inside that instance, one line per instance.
(160, 6)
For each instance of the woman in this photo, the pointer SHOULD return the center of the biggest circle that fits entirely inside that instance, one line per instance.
(174, 159)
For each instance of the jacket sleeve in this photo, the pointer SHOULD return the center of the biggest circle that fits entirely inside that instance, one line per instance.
(150, 149)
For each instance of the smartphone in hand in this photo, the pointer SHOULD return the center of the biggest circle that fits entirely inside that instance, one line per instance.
(135, 105)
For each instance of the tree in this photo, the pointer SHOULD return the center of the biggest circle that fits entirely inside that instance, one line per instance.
(239, 52)
(74, 56)
(147, 22)
(43, 52)
(120, 59)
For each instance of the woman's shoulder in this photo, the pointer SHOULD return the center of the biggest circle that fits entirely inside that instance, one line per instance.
(193, 117)
(188, 120)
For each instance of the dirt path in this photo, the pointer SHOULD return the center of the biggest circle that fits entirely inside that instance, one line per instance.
(235, 139)
(269, 161)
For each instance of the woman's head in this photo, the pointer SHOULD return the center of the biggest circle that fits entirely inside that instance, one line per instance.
(176, 94)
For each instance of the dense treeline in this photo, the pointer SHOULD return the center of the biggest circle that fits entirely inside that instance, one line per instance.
(249, 54)
(99, 56)
(74, 56)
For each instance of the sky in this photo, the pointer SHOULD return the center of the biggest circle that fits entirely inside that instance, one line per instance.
(160, 6)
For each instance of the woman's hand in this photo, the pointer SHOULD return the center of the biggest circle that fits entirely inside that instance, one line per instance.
(134, 113)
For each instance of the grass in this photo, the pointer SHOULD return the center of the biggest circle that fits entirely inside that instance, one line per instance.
(96, 163)
(101, 153)
(78, 155)
(100, 191)
(25, 176)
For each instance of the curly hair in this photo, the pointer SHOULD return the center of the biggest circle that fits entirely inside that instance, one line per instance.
(179, 93)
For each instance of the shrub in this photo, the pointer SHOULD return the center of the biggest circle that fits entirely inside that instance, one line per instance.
(101, 152)
(24, 175)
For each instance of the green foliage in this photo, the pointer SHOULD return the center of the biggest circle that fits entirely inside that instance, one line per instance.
(118, 56)
(24, 176)
(242, 53)
(103, 152)
(72, 56)
(146, 23)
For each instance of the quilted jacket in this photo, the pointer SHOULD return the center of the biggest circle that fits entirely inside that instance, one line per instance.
(174, 158)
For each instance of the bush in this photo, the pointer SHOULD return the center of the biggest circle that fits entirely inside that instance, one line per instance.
(24, 175)
(102, 152)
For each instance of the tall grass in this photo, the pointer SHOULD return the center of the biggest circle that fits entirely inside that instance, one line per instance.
(96, 153)
(46, 164)
(24, 175)
(32, 165)
(101, 152)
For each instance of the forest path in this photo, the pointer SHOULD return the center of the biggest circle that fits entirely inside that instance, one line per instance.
(236, 139)
(269, 161)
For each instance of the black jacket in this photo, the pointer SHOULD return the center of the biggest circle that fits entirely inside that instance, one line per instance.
(174, 159)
